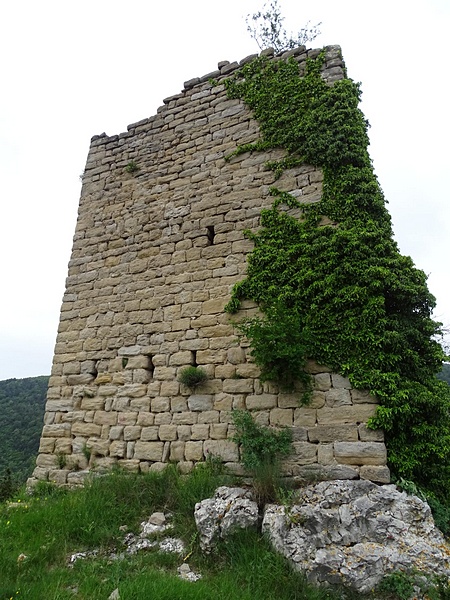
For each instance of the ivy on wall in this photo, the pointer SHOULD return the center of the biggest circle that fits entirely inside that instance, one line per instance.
(333, 285)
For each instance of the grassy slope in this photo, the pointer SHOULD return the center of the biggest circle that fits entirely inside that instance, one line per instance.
(49, 526)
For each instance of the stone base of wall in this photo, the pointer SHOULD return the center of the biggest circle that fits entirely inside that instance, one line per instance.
(112, 421)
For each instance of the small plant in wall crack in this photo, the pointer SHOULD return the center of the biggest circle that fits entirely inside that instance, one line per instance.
(132, 167)
(192, 376)
(261, 449)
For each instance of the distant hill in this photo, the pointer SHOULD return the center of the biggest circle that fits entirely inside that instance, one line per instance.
(445, 373)
(22, 404)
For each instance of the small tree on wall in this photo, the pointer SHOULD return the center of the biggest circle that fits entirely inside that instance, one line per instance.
(266, 28)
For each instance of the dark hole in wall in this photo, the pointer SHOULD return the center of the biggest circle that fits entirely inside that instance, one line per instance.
(194, 358)
(151, 366)
(210, 234)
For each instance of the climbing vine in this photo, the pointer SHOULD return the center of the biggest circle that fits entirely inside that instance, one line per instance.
(333, 285)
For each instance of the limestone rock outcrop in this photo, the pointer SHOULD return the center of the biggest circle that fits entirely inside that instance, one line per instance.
(229, 509)
(355, 532)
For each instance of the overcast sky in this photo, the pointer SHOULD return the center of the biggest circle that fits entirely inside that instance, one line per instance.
(70, 70)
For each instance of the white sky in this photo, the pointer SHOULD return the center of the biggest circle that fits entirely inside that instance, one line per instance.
(70, 70)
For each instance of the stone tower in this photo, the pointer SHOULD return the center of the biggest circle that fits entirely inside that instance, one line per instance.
(158, 245)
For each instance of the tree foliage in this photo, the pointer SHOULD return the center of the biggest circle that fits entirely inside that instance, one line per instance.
(22, 404)
(335, 279)
(266, 28)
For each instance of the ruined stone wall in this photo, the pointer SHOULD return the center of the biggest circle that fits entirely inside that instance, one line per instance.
(158, 245)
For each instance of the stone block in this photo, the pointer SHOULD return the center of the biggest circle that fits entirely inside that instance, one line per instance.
(288, 400)
(305, 417)
(177, 451)
(209, 416)
(184, 432)
(131, 432)
(261, 401)
(377, 474)
(169, 388)
(60, 405)
(225, 449)
(337, 397)
(167, 433)
(145, 419)
(236, 356)
(149, 451)
(322, 381)
(281, 417)
(96, 403)
(185, 418)
(150, 434)
(115, 432)
(194, 451)
(317, 399)
(63, 446)
(130, 465)
(160, 404)
(118, 449)
(86, 429)
(370, 435)
(362, 397)
(105, 418)
(98, 447)
(325, 454)
(360, 453)
(181, 358)
(218, 431)
(304, 453)
(333, 433)
(127, 418)
(200, 431)
(359, 413)
(58, 476)
(46, 460)
(340, 382)
(83, 378)
(47, 445)
(238, 386)
(198, 402)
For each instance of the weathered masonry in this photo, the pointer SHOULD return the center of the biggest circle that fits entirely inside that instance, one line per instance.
(158, 245)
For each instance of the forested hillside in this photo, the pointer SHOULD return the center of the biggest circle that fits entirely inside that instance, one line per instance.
(22, 409)
(444, 375)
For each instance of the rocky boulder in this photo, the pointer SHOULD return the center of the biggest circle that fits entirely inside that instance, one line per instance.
(229, 509)
(355, 532)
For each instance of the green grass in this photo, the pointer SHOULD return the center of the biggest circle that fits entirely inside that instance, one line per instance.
(53, 523)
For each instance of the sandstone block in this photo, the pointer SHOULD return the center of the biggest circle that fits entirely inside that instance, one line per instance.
(177, 451)
(144, 419)
(117, 449)
(58, 476)
(325, 454)
(305, 417)
(169, 388)
(288, 400)
(96, 403)
(149, 451)
(362, 397)
(322, 381)
(333, 433)
(160, 404)
(167, 433)
(281, 417)
(209, 416)
(194, 451)
(198, 402)
(131, 432)
(83, 378)
(46, 460)
(378, 474)
(86, 429)
(98, 447)
(56, 430)
(47, 445)
(105, 418)
(184, 432)
(304, 453)
(218, 431)
(185, 418)
(181, 358)
(359, 413)
(261, 401)
(60, 405)
(127, 418)
(116, 432)
(370, 435)
(337, 397)
(225, 449)
(63, 446)
(150, 434)
(360, 453)
(340, 382)
(200, 431)
(130, 465)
